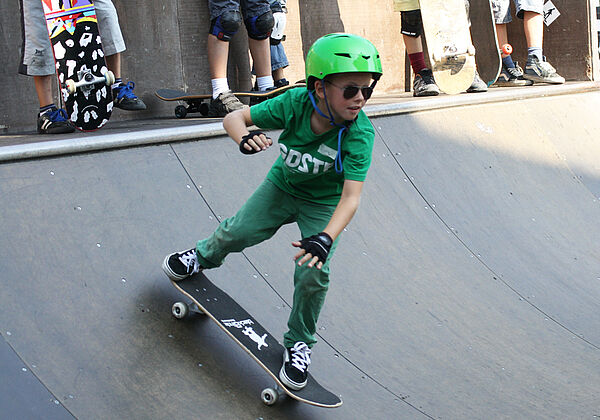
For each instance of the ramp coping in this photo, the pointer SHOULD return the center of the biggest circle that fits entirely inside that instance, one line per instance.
(186, 133)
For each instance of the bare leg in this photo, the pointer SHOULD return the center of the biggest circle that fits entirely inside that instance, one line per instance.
(413, 45)
(261, 55)
(43, 88)
(502, 34)
(278, 74)
(113, 62)
(217, 57)
(533, 23)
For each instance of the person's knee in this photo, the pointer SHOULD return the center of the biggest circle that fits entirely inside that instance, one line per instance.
(259, 27)
(411, 23)
(226, 25)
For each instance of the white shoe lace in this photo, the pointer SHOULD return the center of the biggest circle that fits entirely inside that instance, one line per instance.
(189, 259)
(300, 356)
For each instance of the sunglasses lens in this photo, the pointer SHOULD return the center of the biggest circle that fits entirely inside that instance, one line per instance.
(351, 91)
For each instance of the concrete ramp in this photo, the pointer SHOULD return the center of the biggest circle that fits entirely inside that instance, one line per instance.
(467, 286)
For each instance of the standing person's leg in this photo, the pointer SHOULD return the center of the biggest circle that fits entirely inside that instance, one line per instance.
(225, 21)
(113, 45)
(511, 74)
(259, 22)
(537, 68)
(310, 288)
(37, 61)
(411, 29)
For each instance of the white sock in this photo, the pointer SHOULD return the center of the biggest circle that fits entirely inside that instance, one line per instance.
(219, 86)
(264, 82)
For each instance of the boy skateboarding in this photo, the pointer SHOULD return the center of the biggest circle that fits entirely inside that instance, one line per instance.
(325, 153)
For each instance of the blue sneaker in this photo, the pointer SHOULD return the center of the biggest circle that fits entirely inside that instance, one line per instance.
(54, 121)
(124, 98)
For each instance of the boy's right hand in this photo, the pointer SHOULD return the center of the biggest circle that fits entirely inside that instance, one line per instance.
(254, 142)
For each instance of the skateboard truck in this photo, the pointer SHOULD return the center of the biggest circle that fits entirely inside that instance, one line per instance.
(194, 106)
(451, 53)
(87, 80)
(181, 309)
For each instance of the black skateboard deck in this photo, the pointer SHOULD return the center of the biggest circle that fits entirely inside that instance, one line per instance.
(198, 103)
(483, 32)
(80, 66)
(248, 334)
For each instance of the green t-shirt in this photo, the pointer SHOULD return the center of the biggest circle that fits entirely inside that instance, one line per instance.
(306, 165)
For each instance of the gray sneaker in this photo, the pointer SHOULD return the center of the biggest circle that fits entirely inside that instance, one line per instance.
(225, 103)
(424, 84)
(478, 85)
(512, 77)
(541, 71)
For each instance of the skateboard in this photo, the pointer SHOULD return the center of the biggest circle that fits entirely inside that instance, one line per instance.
(83, 77)
(451, 51)
(209, 300)
(483, 33)
(198, 103)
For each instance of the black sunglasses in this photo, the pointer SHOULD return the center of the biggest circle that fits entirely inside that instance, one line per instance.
(351, 91)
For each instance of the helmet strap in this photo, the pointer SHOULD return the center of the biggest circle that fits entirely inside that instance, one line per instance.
(339, 165)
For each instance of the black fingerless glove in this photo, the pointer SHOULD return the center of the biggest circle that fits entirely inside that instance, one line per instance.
(245, 139)
(317, 245)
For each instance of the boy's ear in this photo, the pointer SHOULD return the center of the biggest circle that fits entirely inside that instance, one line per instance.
(319, 88)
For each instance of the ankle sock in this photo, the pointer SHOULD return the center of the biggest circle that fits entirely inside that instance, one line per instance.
(417, 62)
(264, 82)
(508, 62)
(535, 51)
(46, 108)
(219, 86)
(118, 82)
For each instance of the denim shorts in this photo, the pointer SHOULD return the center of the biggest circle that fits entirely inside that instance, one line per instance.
(250, 8)
(501, 9)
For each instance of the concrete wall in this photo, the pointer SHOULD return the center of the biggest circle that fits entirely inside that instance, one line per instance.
(167, 48)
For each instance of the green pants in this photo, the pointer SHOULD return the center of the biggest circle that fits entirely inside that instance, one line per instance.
(260, 217)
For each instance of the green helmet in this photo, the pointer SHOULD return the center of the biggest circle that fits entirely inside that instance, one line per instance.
(341, 53)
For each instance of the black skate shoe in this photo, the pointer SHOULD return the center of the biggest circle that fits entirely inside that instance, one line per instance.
(180, 265)
(294, 372)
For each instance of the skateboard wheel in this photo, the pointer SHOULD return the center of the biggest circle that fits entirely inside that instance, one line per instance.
(204, 109)
(109, 77)
(70, 85)
(471, 50)
(180, 111)
(180, 310)
(507, 49)
(269, 396)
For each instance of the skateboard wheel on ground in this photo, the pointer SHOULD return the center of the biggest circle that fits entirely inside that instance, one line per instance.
(109, 77)
(507, 49)
(180, 310)
(70, 85)
(180, 111)
(204, 109)
(269, 396)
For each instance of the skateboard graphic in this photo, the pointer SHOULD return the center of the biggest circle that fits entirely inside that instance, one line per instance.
(483, 33)
(451, 52)
(198, 103)
(208, 299)
(83, 77)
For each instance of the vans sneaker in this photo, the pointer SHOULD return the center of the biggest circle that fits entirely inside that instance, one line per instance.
(294, 372)
(512, 76)
(541, 71)
(180, 265)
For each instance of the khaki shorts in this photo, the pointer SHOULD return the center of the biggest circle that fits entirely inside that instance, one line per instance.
(406, 5)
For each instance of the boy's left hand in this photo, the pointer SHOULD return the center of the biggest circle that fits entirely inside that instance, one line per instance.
(314, 249)
(254, 142)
